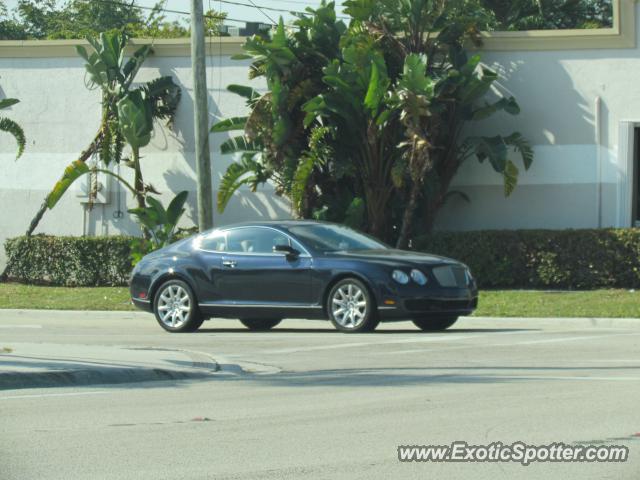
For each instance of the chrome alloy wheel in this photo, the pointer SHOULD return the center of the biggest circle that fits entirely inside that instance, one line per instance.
(174, 306)
(349, 306)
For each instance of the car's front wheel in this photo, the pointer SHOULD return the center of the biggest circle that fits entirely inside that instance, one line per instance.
(175, 307)
(351, 308)
(260, 324)
(434, 324)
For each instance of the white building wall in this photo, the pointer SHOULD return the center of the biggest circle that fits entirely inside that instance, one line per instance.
(556, 89)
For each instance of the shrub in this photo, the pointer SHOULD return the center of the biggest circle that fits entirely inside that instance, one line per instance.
(69, 261)
(573, 259)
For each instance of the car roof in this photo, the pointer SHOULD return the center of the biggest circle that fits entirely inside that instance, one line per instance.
(283, 224)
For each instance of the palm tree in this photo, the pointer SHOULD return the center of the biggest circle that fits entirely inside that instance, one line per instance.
(11, 127)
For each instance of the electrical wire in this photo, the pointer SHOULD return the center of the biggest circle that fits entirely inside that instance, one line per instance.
(219, 17)
(261, 8)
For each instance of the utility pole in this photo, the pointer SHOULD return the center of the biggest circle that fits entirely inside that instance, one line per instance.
(201, 119)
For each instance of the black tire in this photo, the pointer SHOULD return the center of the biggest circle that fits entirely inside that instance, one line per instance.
(174, 295)
(362, 314)
(260, 324)
(434, 324)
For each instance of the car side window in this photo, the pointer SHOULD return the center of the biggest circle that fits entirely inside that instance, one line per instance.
(216, 242)
(254, 240)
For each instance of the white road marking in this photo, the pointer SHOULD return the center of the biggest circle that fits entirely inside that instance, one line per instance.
(413, 339)
(20, 326)
(44, 395)
(529, 342)
(599, 379)
(569, 339)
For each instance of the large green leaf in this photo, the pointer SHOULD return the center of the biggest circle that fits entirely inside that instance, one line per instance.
(494, 149)
(377, 89)
(359, 9)
(301, 180)
(414, 75)
(477, 86)
(71, 174)
(7, 102)
(238, 174)
(244, 91)
(239, 144)
(510, 178)
(176, 208)
(135, 119)
(229, 124)
(133, 65)
(522, 146)
(509, 105)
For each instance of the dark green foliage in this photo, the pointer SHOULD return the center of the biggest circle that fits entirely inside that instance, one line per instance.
(574, 259)
(68, 19)
(69, 261)
(547, 259)
(11, 127)
(548, 14)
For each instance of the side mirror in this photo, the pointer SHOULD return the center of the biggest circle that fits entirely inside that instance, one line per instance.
(288, 250)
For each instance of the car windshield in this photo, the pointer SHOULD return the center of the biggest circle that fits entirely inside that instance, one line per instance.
(334, 238)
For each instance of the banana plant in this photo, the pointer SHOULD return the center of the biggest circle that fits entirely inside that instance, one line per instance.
(273, 138)
(372, 124)
(10, 126)
(161, 224)
(127, 118)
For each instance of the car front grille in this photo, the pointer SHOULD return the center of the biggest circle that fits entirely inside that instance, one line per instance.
(451, 276)
(429, 305)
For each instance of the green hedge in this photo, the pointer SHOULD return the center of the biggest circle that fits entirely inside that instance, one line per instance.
(69, 261)
(573, 259)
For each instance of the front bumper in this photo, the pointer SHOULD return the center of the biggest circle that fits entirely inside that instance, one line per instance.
(435, 302)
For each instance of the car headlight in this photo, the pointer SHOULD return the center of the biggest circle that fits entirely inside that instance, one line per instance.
(400, 277)
(418, 277)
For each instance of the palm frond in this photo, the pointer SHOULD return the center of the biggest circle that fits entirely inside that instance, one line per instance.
(245, 172)
(9, 126)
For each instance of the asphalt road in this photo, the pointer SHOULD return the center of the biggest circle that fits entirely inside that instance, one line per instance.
(306, 402)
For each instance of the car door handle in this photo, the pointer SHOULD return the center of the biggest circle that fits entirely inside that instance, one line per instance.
(229, 263)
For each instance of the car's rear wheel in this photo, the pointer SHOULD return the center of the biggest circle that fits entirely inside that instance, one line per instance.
(260, 324)
(351, 308)
(434, 324)
(176, 308)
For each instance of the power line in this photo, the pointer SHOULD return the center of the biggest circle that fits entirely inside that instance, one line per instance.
(216, 17)
(260, 7)
(302, 2)
(167, 10)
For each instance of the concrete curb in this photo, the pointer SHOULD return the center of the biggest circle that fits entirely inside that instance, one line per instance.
(29, 365)
(84, 377)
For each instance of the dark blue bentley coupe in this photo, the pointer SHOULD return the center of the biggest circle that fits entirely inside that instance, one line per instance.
(263, 272)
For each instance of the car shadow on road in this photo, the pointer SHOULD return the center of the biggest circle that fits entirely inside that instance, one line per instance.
(454, 331)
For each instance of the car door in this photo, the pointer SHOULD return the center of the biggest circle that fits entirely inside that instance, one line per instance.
(253, 274)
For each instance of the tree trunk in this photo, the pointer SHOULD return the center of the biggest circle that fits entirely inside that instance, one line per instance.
(407, 218)
(138, 182)
(84, 156)
(377, 211)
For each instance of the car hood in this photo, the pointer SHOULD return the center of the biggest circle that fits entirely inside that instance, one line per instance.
(393, 256)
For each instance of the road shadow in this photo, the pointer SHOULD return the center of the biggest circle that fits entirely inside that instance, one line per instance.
(332, 330)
